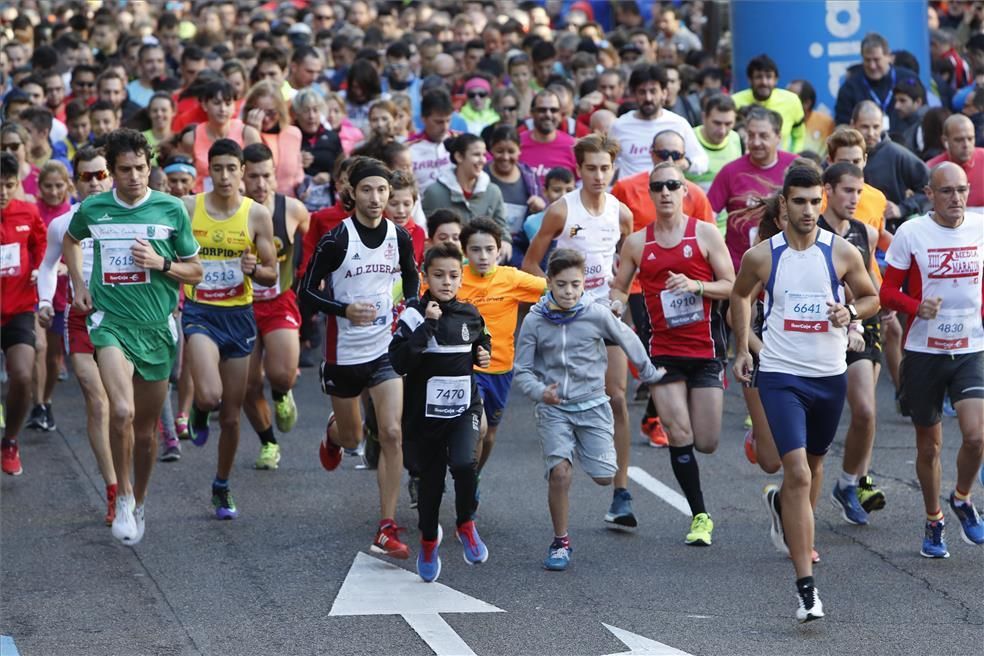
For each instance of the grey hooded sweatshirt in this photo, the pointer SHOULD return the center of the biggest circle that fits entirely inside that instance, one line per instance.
(569, 349)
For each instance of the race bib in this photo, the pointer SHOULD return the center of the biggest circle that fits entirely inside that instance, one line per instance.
(681, 309)
(384, 307)
(222, 279)
(805, 312)
(447, 396)
(264, 293)
(10, 262)
(595, 276)
(118, 267)
(952, 329)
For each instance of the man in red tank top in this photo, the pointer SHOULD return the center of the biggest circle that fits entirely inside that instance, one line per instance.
(685, 270)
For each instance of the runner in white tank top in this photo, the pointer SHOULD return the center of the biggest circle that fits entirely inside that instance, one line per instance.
(593, 222)
(802, 379)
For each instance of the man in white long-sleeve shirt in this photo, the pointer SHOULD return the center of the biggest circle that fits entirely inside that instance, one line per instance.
(635, 130)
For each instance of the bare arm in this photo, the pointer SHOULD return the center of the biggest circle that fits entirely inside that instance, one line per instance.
(553, 223)
(754, 263)
(298, 215)
(261, 225)
(858, 279)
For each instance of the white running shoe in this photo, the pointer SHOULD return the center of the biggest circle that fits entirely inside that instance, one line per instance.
(124, 525)
(810, 607)
(769, 496)
(138, 519)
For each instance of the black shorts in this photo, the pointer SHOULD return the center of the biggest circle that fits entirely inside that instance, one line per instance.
(451, 442)
(347, 381)
(696, 372)
(872, 344)
(19, 329)
(928, 377)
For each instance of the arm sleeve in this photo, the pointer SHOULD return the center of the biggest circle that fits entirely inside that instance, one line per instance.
(891, 295)
(622, 335)
(408, 264)
(327, 257)
(48, 271)
(524, 376)
(409, 341)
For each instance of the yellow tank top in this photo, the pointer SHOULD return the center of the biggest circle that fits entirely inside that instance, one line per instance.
(222, 243)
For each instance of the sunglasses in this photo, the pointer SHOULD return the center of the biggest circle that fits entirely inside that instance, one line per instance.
(547, 110)
(89, 176)
(477, 94)
(664, 154)
(657, 186)
(509, 108)
(11, 146)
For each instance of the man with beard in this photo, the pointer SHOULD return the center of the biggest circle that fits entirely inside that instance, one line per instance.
(544, 147)
(635, 130)
(763, 75)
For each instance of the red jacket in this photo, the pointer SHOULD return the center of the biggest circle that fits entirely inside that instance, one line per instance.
(23, 240)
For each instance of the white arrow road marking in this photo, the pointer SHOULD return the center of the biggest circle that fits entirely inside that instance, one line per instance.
(374, 587)
(654, 485)
(641, 646)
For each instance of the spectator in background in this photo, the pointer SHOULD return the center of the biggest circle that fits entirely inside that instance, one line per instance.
(348, 133)
(959, 142)
(763, 76)
(79, 125)
(817, 124)
(910, 107)
(111, 87)
(15, 139)
(304, 69)
(544, 56)
(160, 111)
(363, 87)
(517, 181)
(676, 99)
(265, 110)
(37, 121)
(152, 68)
(674, 33)
(942, 46)
(544, 147)
(520, 71)
(54, 93)
(875, 77)
(83, 84)
(477, 110)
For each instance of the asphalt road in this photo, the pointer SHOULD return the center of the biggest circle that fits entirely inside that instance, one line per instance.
(266, 583)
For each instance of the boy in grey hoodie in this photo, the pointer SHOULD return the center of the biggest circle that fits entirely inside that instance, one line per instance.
(560, 363)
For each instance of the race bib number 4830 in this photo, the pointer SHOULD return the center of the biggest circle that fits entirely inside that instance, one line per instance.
(951, 329)
(805, 312)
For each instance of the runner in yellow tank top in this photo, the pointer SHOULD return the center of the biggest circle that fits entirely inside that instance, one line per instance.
(237, 248)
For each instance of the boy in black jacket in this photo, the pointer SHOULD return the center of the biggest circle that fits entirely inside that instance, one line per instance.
(437, 342)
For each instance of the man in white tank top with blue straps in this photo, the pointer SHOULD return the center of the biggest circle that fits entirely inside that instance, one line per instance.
(593, 222)
(802, 375)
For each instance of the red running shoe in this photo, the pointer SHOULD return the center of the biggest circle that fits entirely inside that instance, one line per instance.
(750, 447)
(652, 429)
(388, 542)
(330, 453)
(111, 500)
(10, 460)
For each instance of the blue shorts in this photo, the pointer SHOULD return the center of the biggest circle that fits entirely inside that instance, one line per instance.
(802, 412)
(494, 389)
(233, 329)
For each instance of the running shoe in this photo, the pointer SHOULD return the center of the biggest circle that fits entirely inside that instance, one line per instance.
(846, 500)
(329, 453)
(10, 459)
(36, 418)
(199, 436)
(748, 422)
(972, 528)
(934, 545)
(700, 530)
(558, 556)
(269, 457)
(810, 607)
(750, 447)
(652, 431)
(413, 485)
(170, 449)
(124, 525)
(63, 374)
(286, 412)
(948, 409)
(388, 542)
(49, 419)
(620, 512)
(771, 497)
(871, 497)
(110, 504)
(138, 519)
(475, 550)
(181, 427)
(225, 505)
(428, 559)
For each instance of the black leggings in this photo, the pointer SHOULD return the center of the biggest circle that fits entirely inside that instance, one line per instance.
(429, 451)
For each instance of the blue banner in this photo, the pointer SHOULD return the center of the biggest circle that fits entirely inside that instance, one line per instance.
(818, 40)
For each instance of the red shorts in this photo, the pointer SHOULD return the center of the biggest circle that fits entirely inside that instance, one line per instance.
(280, 313)
(78, 335)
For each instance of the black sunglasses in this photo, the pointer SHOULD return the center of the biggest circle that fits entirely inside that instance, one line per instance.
(665, 154)
(657, 186)
(477, 94)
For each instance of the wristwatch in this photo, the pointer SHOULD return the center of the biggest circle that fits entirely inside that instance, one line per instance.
(852, 311)
(166, 266)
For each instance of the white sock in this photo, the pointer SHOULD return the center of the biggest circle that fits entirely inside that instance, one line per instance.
(848, 480)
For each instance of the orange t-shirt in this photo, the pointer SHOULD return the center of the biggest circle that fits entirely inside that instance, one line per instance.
(634, 192)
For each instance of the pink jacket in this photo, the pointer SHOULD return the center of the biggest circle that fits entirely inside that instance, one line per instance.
(286, 147)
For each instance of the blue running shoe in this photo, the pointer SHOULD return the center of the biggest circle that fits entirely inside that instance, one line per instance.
(934, 546)
(970, 521)
(620, 513)
(558, 556)
(475, 550)
(846, 499)
(428, 559)
(225, 506)
(948, 409)
(199, 436)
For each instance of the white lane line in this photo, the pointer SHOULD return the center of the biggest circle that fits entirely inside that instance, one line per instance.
(438, 634)
(7, 646)
(654, 485)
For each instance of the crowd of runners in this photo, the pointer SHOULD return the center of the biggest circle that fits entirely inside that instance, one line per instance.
(446, 199)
